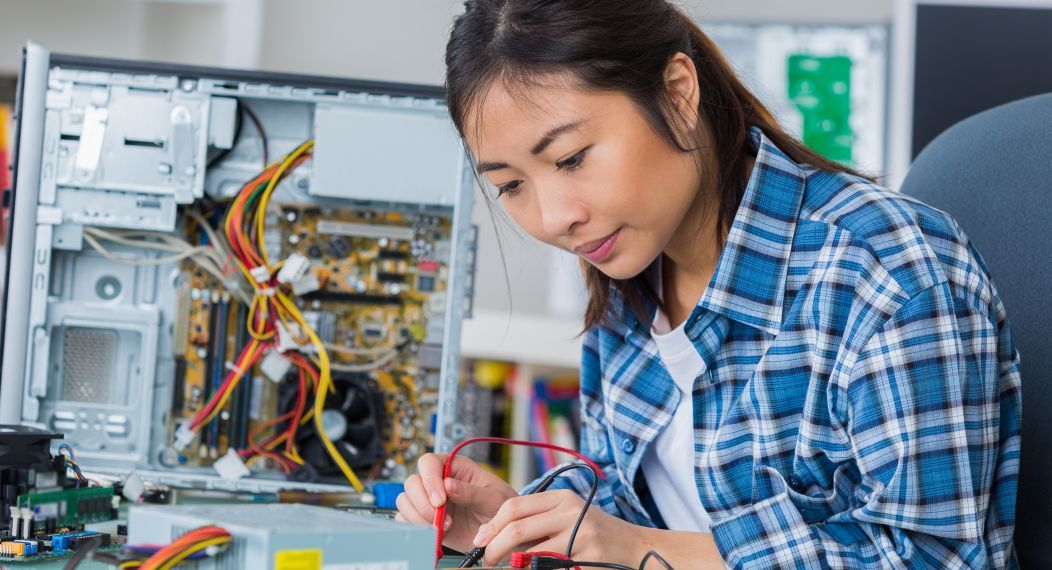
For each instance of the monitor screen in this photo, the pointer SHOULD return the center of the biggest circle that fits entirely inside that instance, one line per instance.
(971, 58)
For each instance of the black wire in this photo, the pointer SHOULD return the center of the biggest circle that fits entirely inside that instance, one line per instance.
(547, 482)
(656, 556)
(83, 550)
(472, 558)
(262, 134)
(587, 564)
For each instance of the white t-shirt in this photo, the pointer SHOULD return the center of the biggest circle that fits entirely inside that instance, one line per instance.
(669, 462)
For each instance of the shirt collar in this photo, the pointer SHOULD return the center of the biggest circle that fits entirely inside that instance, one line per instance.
(750, 278)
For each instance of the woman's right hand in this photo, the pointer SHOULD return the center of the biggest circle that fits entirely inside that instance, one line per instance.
(474, 496)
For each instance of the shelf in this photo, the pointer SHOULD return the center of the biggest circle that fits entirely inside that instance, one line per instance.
(538, 340)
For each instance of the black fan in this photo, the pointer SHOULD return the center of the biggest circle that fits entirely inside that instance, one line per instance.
(353, 417)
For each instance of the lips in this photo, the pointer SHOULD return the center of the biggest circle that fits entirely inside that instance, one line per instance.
(598, 250)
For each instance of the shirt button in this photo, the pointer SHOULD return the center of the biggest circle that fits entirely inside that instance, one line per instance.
(795, 483)
(628, 445)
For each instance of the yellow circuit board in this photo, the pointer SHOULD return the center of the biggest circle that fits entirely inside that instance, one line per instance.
(375, 287)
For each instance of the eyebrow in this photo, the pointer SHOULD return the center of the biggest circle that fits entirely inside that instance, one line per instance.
(551, 135)
(538, 148)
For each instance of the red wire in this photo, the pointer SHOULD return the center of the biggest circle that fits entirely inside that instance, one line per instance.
(301, 400)
(244, 362)
(440, 512)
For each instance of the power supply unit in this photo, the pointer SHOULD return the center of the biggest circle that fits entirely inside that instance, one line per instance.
(290, 537)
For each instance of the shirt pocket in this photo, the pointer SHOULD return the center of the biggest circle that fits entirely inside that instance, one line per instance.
(815, 505)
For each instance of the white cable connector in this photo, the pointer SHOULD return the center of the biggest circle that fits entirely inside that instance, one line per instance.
(183, 437)
(307, 284)
(27, 523)
(260, 273)
(294, 268)
(230, 466)
(134, 487)
(286, 336)
(275, 366)
(16, 519)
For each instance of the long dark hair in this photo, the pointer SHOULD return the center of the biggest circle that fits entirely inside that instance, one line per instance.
(619, 46)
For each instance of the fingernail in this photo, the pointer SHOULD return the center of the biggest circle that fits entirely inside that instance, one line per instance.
(436, 499)
(448, 523)
(455, 486)
(482, 536)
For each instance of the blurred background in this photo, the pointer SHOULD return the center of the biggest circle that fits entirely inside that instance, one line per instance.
(866, 82)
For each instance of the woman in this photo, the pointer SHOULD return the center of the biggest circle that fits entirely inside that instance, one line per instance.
(784, 364)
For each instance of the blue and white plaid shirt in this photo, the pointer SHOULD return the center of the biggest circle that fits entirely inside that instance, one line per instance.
(860, 403)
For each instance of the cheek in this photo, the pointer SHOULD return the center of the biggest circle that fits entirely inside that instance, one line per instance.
(634, 182)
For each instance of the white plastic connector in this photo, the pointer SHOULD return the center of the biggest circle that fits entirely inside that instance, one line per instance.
(230, 466)
(286, 340)
(294, 268)
(184, 436)
(27, 523)
(307, 284)
(275, 366)
(134, 488)
(260, 273)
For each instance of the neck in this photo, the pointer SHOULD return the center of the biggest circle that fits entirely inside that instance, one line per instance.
(690, 258)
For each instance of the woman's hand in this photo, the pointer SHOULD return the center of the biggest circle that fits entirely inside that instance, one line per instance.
(474, 496)
(544, 521)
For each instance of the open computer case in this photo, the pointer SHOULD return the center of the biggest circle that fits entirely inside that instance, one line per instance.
(127, 308)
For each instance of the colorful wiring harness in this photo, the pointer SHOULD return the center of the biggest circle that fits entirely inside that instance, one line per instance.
(273, 320)
(71, 464)
(207, 539)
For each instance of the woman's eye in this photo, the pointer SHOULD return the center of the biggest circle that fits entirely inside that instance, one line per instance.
(510, 188)
(574, 162)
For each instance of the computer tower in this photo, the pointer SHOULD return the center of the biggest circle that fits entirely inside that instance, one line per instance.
(195, 254)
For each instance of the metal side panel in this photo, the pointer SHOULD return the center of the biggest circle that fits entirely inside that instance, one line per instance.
(450, 431)
(23, 231)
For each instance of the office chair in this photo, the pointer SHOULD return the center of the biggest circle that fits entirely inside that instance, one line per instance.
(993, 173)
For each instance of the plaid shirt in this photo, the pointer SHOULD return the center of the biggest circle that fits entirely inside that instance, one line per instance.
(860, 402)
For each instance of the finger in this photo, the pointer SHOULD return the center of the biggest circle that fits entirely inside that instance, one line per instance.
(522, 533)
(519, 508)
(408, 512)
(465, 469)
(429, 468)
(485, 501)
(417, 496)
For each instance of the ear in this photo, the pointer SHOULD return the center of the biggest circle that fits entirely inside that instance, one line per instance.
(681, 80)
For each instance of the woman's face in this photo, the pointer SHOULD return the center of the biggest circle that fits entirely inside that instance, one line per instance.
(584, 172)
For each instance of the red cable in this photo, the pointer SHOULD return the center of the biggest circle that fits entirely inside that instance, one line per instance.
(244, 362)
(440, 512)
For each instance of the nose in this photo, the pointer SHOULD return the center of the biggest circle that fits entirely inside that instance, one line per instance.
(560, 211)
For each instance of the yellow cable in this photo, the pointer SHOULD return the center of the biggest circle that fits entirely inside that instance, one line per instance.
(324, 385)
(261, 210)
(255, 333)
(194, 549)
(240, 373)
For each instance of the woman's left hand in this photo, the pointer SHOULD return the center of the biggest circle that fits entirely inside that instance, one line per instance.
(544, 521)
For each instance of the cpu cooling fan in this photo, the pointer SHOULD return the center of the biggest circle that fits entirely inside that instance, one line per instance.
(352, 418)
